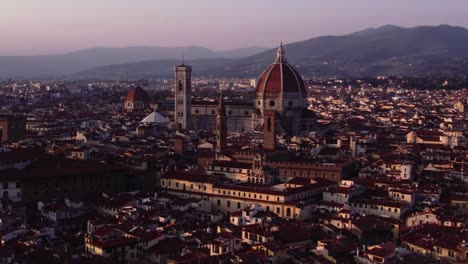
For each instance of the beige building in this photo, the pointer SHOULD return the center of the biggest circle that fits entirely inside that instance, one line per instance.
(281, 199)
(112, 244)
(380, 207)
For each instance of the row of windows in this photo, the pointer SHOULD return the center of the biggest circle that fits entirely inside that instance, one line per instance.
(249, 195)
(228, 204)
(6, 186)
(177, 185)
(242, 194)
(389, 209)
(224, 192)
(136, 104)
(5, 194)
(272, 103)
(398, 195)
(308, 174)
(231, 169)
(229, 112)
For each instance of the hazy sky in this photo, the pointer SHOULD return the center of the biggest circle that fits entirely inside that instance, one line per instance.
(54, 26)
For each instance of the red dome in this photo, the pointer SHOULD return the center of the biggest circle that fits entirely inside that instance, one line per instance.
(137, 94)
(280, 77)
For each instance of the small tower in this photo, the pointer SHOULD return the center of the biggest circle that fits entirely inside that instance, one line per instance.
(183, 95)
(269, 130)
(12, 128)
(221, 126)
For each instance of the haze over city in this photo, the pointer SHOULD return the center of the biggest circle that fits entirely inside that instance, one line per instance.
(57, 26)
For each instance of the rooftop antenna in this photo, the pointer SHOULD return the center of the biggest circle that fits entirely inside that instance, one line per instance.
(183, 58)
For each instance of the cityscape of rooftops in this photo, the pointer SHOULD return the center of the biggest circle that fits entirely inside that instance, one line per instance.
(206, 131)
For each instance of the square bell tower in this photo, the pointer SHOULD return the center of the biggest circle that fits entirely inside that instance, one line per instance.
(183, 96)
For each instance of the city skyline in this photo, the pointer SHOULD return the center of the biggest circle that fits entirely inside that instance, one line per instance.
(52, 27)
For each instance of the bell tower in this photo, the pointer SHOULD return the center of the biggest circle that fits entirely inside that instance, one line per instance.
(183, 95)
(269, 130)
(221, 126)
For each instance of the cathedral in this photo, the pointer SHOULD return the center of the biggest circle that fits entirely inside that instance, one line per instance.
(279, 106)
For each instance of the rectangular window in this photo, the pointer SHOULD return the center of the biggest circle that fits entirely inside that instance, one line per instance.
(219, 202)
(238, 205)
(229, 204)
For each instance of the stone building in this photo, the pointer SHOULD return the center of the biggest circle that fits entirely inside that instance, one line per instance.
(279, 89)
(137, 99)
(12, 128)
(285, 200)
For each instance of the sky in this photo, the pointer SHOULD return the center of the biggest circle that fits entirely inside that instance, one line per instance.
(32, 27)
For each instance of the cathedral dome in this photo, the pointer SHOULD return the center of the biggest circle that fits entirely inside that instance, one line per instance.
(137, 94)
(280, 78)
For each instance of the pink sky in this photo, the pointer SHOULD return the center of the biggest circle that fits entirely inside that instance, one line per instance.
(54, 26)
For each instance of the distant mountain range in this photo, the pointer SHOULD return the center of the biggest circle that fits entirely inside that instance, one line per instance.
(388, 50)
(66, 64)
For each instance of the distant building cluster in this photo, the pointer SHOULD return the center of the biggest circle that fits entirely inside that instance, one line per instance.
(279, 169)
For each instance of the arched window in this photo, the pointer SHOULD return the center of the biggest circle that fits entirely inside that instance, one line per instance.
(288, 212)
(269, 125)
(180, 86)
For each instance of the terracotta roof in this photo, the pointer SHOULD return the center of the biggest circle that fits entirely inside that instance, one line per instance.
(383, 250)
(137, 94)
(280, 77)
(167, 246)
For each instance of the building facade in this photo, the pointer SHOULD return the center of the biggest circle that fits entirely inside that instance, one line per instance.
(12, 128)
(282, 199)
(280, 89)
(137, 99)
